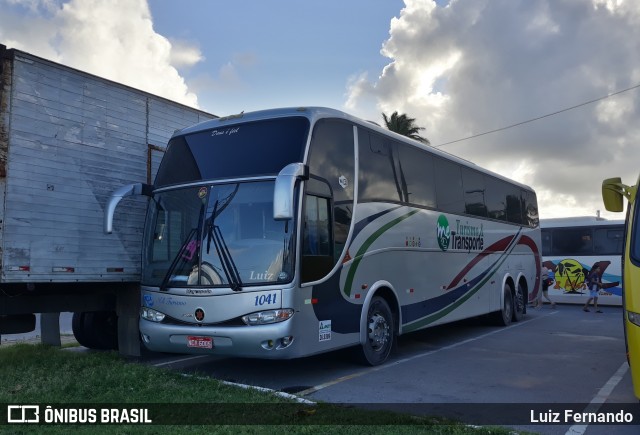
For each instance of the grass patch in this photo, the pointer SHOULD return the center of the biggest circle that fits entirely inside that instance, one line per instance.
(37, 374)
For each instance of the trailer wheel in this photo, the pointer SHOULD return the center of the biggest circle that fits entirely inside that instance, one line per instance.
(503, 316)
(380, 333)
(96, 329)
(77, 326)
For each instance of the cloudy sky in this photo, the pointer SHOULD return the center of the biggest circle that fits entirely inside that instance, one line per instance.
(461, 68)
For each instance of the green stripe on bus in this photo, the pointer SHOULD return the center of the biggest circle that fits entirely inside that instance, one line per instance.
(365, 246)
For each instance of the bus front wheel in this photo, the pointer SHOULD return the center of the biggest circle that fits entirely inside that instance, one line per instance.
(380, 334)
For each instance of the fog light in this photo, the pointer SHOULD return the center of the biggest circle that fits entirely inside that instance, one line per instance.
(285, 341)
(145, 338)
(267, 344)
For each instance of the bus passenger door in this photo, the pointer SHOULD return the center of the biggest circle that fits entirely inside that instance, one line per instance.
(317, 258)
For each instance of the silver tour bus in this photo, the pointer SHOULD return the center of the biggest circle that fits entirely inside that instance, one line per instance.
(290, 232)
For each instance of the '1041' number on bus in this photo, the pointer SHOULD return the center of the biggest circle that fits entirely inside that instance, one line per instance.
(266, 299)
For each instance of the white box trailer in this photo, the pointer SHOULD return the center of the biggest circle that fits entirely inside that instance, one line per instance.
(68, 139)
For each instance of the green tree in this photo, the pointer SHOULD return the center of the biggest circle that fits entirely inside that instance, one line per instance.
(405, 126)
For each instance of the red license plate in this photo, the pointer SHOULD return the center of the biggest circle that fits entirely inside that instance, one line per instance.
(200, 342)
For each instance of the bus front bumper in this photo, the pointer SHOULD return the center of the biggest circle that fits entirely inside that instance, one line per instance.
(272, 341)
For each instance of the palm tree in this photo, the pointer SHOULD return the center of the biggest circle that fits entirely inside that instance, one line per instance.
(405, 126)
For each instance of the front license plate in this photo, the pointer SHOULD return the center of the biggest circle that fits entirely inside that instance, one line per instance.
(200, 342)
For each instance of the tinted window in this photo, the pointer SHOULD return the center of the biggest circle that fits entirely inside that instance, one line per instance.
(531, 217)
(397, 172)
(449, 194)
(608, 241)
(332, 164)
(515, 205)
(474, 192)
(572, 241)
(242, 150)
(546, 242)
(502, 200)
(583, 241)
(316, 238)
(379, 180)
(415, 168)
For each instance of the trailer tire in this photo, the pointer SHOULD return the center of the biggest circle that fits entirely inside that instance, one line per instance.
(77, 326)
(96, 329)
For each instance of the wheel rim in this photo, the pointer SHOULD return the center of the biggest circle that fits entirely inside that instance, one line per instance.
(519, 302)
(508, 306)
(378, 332)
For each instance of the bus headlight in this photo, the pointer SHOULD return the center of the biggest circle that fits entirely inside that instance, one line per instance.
(151, 315)
(633, 318)
(266, 317)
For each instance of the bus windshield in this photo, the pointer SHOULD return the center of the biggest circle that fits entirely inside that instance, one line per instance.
(217, 236)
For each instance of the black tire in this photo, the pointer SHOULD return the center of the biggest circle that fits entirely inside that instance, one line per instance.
(96, 329)
(77, 326)
(380, 332)
(519, 303)
(504, 316)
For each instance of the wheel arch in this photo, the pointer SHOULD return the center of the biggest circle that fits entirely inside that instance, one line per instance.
(507, 280)
(385, 290)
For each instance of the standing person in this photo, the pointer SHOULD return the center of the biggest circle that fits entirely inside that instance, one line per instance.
(546, 282)
(594, 283)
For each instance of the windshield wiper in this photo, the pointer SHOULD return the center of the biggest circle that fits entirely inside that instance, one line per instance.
(174, 264)
(228, 265)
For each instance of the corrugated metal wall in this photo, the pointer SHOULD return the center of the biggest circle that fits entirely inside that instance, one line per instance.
(73, 139)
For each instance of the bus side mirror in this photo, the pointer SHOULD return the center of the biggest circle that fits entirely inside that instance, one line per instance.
(117, 196)
(612, 192)
(285, 187)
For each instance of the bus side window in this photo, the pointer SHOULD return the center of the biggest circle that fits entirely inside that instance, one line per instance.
(572, 241)
(317, 247)
(449, 195)
(547, 242)
(608, 241)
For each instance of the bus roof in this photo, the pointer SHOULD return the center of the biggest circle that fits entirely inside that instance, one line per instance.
(316, 113)
(578, 221)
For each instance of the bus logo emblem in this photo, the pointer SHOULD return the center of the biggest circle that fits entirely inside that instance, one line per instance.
(199, 314)
(443, 232)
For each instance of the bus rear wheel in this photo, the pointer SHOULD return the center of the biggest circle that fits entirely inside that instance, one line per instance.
(504, 316)
(380, 334)
(519, 304)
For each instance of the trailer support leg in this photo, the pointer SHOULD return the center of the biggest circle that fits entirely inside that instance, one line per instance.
(50, 329)
(128, 309)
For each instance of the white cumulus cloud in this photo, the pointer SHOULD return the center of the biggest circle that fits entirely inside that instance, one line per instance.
(469, 67)
(113, 39)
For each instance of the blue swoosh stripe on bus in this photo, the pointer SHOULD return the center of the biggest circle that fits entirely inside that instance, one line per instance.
(361, 225)
(440, 306)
